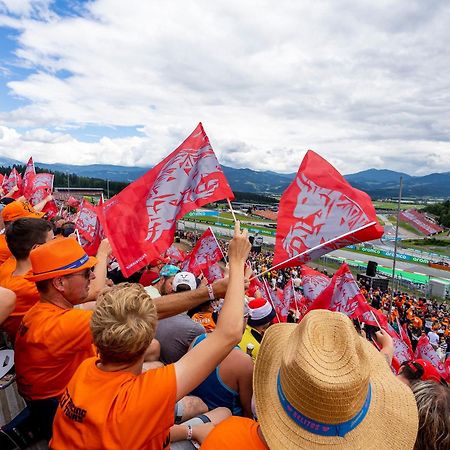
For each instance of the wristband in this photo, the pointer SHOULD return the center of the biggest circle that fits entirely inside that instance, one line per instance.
(210, 292)
(189, 433)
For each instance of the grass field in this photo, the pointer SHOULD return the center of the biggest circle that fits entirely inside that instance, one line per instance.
(393, 205)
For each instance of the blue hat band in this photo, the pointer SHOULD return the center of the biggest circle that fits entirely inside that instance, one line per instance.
(319, 428)
(73, 265)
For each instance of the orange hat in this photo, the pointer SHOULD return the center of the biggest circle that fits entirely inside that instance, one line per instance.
(17, 210)
(57, 258)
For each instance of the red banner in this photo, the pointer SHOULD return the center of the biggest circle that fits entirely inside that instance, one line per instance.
(213, 273)
(320, 212)
(341, 295)
(140, 221)
(28, 177)
(175, 254)
(206, 252)
(41, 188)
(14, 179)
(425, 351)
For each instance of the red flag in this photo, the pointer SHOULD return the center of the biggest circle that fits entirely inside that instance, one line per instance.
(275, 301)
(140, 221)
(289, 296)
(28, 177)
(341, 295)
(313, 283)
(403, 331)
(206, 252)
(73, 202)
(425, 351)
(175, 254)
(14, 179)
(320, 212)
(51, 209)
(86, 223)
(213, 273)
(41, 188)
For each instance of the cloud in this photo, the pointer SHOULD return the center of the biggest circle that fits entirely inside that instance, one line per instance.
(364, 84)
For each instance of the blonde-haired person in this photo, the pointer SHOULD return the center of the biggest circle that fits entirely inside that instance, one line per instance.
(109, 403)
(433, 404)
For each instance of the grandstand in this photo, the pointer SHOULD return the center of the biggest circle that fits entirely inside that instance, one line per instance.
(420, 222)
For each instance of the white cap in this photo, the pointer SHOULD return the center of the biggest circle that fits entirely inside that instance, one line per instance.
(184, 278)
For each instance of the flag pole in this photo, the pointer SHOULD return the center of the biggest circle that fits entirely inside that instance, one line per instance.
(266, 287)
(395, 242)
(231, 209)
(376, 320)
(314, 248)
(218, 245)
(295, 297)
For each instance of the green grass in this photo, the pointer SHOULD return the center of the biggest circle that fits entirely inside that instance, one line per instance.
(394, 205)
(431, 245)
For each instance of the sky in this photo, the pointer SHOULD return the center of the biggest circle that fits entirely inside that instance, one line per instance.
(364, 84)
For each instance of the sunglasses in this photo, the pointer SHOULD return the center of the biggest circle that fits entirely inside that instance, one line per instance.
(85, 273)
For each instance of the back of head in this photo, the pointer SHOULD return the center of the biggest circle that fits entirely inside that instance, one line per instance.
(124, 323)
(23, 234)
(433, 404)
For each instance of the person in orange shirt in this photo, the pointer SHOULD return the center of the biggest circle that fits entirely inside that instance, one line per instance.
(54, 338)
(7, 303)
(12, 211)
(110, 403)
(22, 235)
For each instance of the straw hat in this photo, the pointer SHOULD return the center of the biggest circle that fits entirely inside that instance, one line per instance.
(311, 377)
(17, 210)
(57, 258)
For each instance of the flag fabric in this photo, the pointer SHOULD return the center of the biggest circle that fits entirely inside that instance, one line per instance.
(424, 350)
(28, 177)
(206, 252)
(289, 296)
(320, 212)
(73, 202)
(140, 221)
(42, 186)
(86, 223)
(50, 209)
(175, 254)
(404, 335)
(14, 179)
(341, 295)
(275, 301)
(313, 282)
(213, 272)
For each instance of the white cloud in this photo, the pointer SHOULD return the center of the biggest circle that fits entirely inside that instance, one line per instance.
(364, 84)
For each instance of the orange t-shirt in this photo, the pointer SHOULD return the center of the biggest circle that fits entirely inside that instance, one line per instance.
(115, 410)
(5, 253)
(26, 293)
(50, 345)
(235, 433)
(205, 319)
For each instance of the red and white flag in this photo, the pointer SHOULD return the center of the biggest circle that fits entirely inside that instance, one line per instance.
(424, 350)
(313, 283)
(42, 187)
(320, 212)
(175, 254)
(276, 301)
(140, 221)
(87, 221)
(14, 179)
(290, 296)
(206, 252)
(341, 295)
(213, 272)
(28, 177)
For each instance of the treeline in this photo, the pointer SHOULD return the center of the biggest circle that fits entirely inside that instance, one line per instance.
(442, 211)
(74, 181)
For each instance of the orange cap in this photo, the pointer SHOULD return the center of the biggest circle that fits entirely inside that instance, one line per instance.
(57, 258)
(17, 210)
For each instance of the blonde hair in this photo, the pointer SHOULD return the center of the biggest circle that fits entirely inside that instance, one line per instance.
(433, 404)
(124, 323)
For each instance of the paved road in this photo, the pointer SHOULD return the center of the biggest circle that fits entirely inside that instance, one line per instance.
(409, 267)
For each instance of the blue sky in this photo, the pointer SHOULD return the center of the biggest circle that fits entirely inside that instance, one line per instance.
(364, 84)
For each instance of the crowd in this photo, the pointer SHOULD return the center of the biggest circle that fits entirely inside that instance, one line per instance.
(164, 359)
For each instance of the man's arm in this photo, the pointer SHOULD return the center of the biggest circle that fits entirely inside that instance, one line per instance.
(195, 366)
(7, 303)
(99, 282)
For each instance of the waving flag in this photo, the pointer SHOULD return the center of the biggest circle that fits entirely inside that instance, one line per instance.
(320, 212)
(73, 202)
(206, 252)
(289, 296)
(313, 283)
(14, 179)
(425, 351)
(213, 273)
(341, 295)
(140, 221)
(28, 177)
(89, 227)
(175, 254)
(42, 187)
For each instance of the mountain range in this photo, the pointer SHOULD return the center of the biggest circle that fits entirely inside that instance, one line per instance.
(378, 183)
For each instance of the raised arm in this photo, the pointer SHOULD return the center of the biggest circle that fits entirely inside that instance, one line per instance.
(195, 366)
(99, 282)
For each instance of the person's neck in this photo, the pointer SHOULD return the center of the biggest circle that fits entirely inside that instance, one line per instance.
(55, 298)
(23, 266)
(134, 368)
